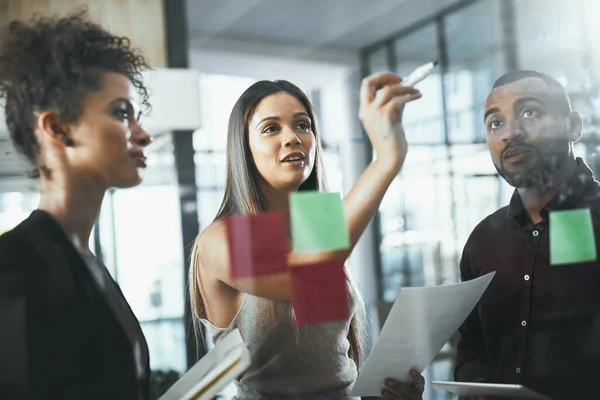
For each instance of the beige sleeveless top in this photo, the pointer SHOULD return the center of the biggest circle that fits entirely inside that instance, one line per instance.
(288, 362)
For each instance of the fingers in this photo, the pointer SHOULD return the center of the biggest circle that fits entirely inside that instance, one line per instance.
(396, 105)
(392, 91)
(372, 83)
(397, 390)
(418, 380)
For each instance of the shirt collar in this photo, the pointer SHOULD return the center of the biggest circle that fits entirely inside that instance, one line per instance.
(569, 196)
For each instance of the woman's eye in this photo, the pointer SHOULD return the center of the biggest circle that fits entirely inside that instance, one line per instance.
(269, 129)
(122, 115)
(304, 126)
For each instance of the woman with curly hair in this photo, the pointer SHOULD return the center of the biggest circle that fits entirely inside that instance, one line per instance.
(66, 331)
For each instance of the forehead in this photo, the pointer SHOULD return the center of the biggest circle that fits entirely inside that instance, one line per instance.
(505, 95)
(278, 104)
(114, 84)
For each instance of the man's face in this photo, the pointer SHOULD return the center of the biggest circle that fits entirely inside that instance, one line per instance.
(528, 133)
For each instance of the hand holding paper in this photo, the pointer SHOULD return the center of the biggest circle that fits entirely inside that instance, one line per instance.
(421, 321)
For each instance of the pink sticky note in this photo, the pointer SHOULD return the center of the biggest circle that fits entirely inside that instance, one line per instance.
(257, 244)
(320, 293)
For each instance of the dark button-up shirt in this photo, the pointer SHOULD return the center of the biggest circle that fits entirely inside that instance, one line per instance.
(537, 324)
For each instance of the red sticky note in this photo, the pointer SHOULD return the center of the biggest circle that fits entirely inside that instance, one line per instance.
(320, 293)
(257, 244)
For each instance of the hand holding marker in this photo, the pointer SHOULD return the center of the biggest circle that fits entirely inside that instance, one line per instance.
(416, 76)
(419, 74)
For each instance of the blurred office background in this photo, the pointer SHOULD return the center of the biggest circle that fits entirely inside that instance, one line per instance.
(448, 183)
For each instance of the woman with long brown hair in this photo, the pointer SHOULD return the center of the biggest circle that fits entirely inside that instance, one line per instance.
(273, 150)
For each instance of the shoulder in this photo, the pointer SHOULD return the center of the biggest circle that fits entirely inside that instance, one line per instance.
(483, 235)
(213, 235)
(17, 261)
(211, 248)
(22, 249)
(15, 246)
(489, 226)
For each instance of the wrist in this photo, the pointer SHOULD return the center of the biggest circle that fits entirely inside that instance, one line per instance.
(388, 166)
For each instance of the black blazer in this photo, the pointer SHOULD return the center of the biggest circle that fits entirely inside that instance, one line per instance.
(59, 338)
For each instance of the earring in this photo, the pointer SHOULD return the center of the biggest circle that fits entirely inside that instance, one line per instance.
(68, 141)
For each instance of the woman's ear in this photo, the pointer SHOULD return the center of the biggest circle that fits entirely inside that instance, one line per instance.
(52, 130)
(574, 126)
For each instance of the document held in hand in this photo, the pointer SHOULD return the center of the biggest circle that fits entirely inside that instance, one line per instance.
(225, 362)
(420, 323)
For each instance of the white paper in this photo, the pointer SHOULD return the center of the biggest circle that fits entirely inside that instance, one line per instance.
(420, 323)
(216, 365)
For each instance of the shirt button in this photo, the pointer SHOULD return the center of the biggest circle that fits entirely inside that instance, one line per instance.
(526, 277)
(535, 233)
(523, 323)
(518, 370)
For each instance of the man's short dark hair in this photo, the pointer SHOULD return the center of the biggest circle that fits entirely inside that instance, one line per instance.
(561, 95)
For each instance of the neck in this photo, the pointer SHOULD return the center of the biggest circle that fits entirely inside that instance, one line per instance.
(278, 200)
(535, 198)
(75, 204)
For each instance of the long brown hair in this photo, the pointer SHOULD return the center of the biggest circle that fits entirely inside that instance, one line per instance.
(242, 193)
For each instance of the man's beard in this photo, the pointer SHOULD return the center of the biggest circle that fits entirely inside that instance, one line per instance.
(543, 173)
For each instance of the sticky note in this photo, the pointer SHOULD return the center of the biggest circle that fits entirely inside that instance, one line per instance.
(571, 237)
(320, 293)
(257, 244)
(318, 222)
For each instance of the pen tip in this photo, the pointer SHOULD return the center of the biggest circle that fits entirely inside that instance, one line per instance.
(435, 63)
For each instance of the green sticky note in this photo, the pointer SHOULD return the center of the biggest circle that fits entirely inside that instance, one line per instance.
(318, 222)
(571, 237)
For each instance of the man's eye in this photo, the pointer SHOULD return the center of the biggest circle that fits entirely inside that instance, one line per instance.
(529, 113)
(494, 124)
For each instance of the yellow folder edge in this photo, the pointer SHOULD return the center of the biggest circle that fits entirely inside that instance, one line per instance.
(215, 380)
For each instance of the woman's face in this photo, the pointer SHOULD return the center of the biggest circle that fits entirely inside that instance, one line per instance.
(282, 142)
(108, 142)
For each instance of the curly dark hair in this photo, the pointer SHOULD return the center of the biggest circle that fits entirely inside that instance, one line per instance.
(50, 63)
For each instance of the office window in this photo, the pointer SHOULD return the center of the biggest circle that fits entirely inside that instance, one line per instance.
(550, 38)
(218, 96)
(423, 119)
(476, 58)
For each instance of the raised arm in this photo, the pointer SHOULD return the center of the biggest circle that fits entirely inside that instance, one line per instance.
(381, 117)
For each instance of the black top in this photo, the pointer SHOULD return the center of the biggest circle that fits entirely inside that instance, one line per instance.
(66, 330)
(536, 324)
